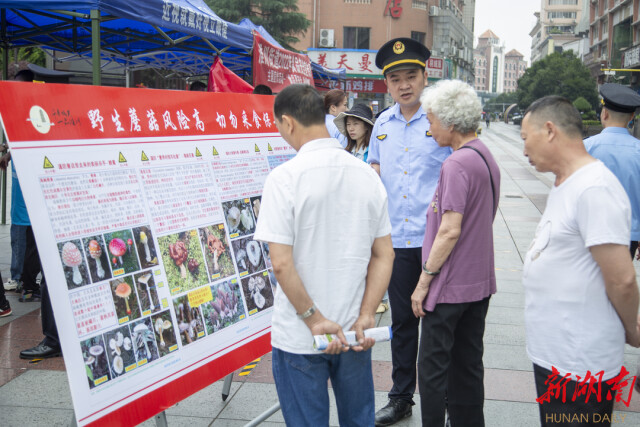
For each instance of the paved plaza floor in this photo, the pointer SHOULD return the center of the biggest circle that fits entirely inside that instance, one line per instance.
(38, 394)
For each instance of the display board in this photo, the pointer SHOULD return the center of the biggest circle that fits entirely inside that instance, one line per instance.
(144, 204)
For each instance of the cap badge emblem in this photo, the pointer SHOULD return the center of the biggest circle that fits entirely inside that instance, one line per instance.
(398, 48)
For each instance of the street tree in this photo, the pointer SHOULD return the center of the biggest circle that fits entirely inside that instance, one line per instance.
(560, 73)
(279, 17)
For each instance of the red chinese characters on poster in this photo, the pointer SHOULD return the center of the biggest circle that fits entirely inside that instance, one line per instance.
(278, 68)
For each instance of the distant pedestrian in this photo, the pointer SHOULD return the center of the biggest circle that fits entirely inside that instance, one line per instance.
(581, 296)
(618, 150)
(335, 102)
(487, 119)
(458, 270)
(330, 246)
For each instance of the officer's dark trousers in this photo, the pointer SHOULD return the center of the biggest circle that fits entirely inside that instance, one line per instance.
(407, 267)
(31, 267)
(450, 369)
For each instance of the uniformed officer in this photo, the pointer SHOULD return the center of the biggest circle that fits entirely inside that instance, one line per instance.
(617, 149)
(408, 160)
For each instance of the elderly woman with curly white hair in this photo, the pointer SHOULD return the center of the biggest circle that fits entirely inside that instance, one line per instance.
(458, 275)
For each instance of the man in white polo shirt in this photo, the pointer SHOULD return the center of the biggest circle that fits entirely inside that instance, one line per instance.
(324, 215)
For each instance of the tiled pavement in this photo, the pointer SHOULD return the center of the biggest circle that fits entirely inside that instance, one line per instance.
(37, 394)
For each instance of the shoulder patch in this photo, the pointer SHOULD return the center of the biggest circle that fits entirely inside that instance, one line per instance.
(381, 137)
(429, 133)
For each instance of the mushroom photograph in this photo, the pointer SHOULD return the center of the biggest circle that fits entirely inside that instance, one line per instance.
(125, 298)
(217, 253)
(248, 254)
(239, 217)
(97, 258)
(122, 252)
(147, 292)
(183, 260)
(144, 340)
(225, 309)
(190, 323)
(165, 333)
(257, 292)
(120, 351)
(146, 246)
(265, 251)
(75, 269)
(255, 206)
(95, 361)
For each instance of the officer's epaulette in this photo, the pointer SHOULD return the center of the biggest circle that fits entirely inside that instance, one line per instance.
(429, 133)
(381, 137)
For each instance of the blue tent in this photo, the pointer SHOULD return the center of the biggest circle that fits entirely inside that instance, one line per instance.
(178, 34)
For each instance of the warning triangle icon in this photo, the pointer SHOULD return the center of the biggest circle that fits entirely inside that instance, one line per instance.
(198, 153)
(257, 149)
(47, 163)
(121, 158)
(215, 152)
(269, 147)
(144, 157)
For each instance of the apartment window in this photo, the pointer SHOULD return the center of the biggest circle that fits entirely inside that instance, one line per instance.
(420, 4)
(557, 2)
(356, 37)
(418, 36)
(595, 33)
(358, 1)
(562, 15)
(605, 25)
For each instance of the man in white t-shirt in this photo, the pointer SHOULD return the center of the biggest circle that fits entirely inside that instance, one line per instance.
(581, 296)
(324, 216)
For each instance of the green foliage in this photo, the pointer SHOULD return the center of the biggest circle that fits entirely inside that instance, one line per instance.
(279, 17)
(582, 104)
(590, 115)
(591, 123)
(557, 74)
(26, 55)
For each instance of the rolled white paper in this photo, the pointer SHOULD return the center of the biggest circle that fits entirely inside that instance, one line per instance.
(380, 334)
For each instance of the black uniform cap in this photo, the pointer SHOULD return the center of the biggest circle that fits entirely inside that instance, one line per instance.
(619, 98)
(402, 54)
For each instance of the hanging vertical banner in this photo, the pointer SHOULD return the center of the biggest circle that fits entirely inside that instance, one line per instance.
(278, 68)
(144, 204)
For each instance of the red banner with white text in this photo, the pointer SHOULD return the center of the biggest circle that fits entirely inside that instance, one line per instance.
(278, 68)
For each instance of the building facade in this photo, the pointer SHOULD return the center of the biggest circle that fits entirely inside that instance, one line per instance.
(514, 68)
(489, 62)
(344, 26)
(614, 40)
(556, 26)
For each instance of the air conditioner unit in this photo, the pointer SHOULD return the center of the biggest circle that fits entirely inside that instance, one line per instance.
(326, 37)
(434, 11)
(454, 51)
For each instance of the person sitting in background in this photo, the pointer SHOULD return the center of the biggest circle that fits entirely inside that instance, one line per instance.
(198, 86)
(356, 125)
(335, 102)
(262, 90)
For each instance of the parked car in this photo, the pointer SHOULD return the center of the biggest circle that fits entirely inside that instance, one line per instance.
(517, 119)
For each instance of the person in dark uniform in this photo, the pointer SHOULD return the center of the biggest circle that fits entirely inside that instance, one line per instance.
(408, 160)
(618, 150)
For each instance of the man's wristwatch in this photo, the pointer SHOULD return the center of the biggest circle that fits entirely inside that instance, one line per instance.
(308, 313)
(430, 273)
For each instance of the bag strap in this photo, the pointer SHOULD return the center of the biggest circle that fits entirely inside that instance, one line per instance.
(493, 190)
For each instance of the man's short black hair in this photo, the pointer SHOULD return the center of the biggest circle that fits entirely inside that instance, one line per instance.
(560, 111)
(198, 86)
(262, 90)
(24, 76)
(302, 102)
